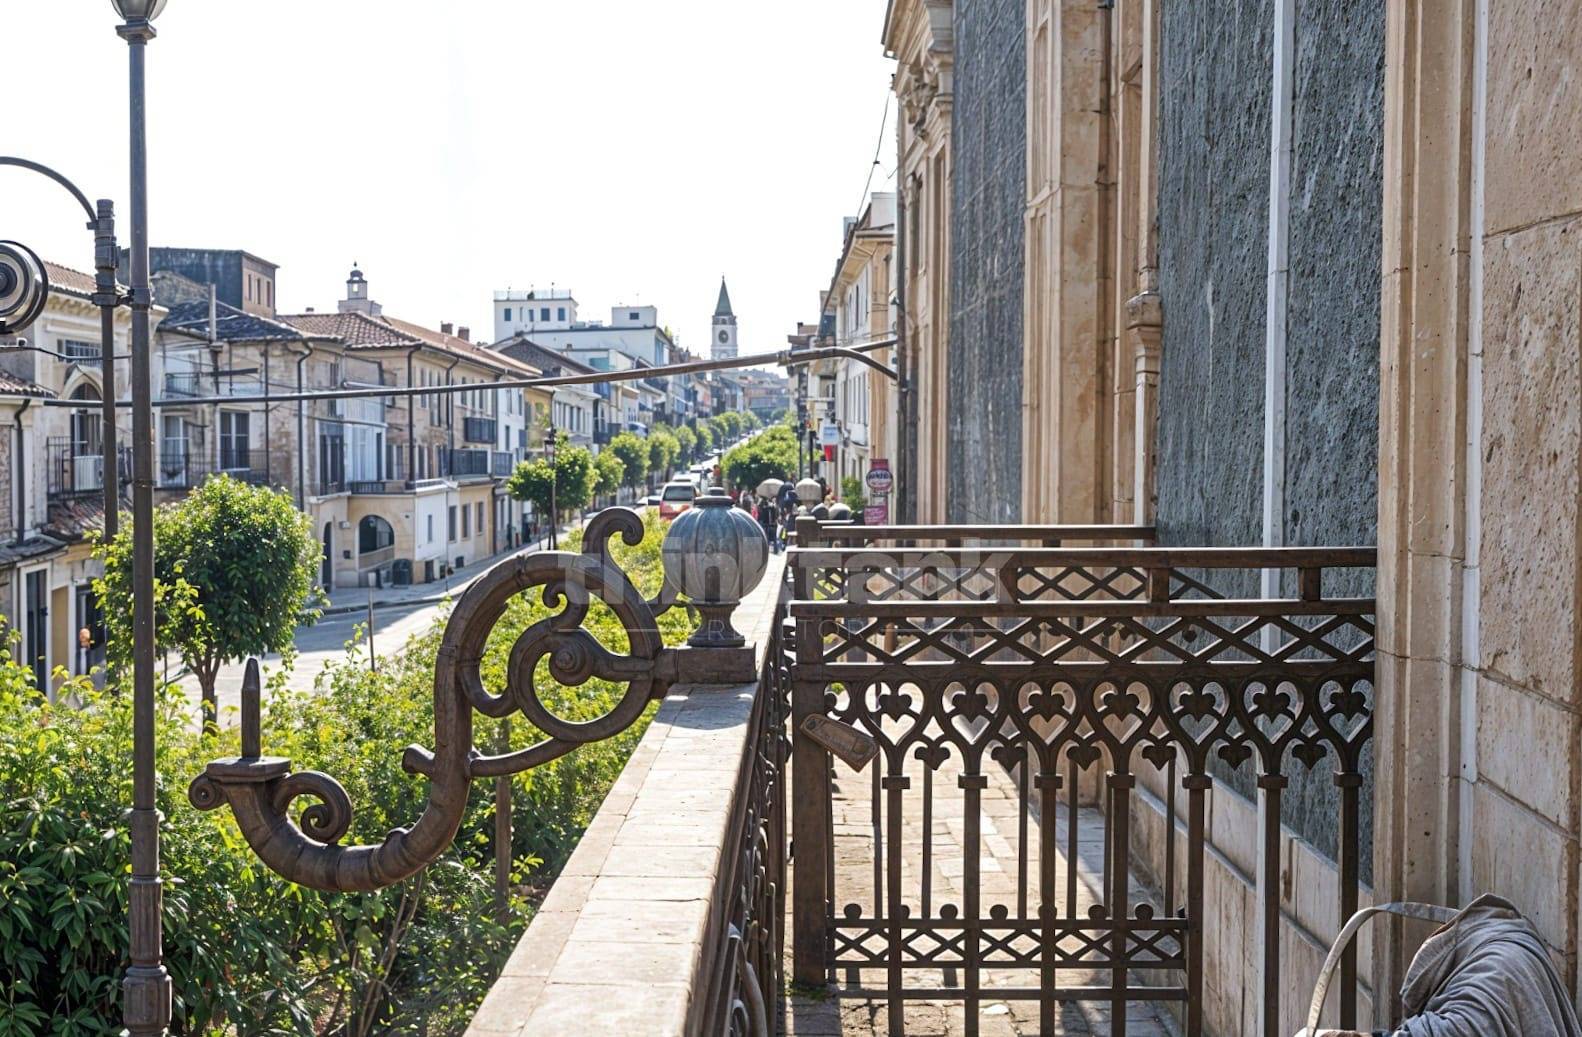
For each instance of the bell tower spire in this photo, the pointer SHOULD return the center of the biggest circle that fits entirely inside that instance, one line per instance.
(724, 337)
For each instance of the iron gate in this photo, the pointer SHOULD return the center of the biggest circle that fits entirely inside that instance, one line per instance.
(1016, 697)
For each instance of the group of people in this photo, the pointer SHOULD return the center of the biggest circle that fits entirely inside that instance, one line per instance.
(776, 514)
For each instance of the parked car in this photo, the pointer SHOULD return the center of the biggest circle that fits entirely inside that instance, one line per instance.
(676, 497)
(651, 501)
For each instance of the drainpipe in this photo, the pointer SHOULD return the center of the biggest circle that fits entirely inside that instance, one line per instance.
(302, 431)
(1105, 322)
(411, 412)
(450, 416)
(906, 434)
(21, 483)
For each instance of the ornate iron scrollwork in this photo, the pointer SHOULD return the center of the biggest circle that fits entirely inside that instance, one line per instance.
(262, 789)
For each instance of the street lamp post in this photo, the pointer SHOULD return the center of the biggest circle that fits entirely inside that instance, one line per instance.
(146, 989)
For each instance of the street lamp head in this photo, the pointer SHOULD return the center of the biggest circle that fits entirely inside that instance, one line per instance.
(138, 10)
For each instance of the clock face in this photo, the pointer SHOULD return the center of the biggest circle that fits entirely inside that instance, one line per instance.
(724, 337)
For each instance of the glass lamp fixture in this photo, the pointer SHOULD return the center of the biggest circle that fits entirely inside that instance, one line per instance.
(138, 10)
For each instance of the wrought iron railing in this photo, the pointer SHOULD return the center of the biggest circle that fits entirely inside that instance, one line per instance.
(1057, 678)
(73, 471)
(478, 430)
(745, 949)
(463, 464)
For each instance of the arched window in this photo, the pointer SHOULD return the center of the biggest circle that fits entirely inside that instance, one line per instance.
(374, 534)
(87, 426)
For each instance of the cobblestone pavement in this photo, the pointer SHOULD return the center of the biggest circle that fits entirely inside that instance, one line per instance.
(1000, 831)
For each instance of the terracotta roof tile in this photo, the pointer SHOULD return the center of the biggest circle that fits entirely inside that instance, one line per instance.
(354, 329)
(66, 279)
(462, 347)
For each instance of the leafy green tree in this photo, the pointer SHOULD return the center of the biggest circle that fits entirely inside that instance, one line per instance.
(662, 451)
(573, 480)
(233, 573)
(751, 422)
(686, 444)
(722, 432)
(705, 437)
(633, 452)
(608, 471)
(772, 454)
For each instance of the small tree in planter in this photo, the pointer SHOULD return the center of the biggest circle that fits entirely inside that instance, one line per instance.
(686, 443)
(572, 480)
(633, 452)
(608, 471)
(233, 577)
(662, 451)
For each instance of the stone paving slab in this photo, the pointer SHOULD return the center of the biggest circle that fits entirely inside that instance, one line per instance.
(829, 1016)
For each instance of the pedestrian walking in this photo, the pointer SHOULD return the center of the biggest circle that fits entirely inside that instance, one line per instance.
(769, 518)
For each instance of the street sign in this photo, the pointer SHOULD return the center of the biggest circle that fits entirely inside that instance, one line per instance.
(880, 479)
(829, 434)
(877, 514)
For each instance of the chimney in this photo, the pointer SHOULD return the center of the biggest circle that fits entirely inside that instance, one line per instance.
(465, 334)
(446, 327)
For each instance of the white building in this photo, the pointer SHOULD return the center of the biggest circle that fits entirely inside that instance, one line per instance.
(532, 311)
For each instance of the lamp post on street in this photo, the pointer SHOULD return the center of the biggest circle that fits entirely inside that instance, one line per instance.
(146, 989)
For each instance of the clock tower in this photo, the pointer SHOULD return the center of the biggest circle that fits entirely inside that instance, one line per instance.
(724, 337)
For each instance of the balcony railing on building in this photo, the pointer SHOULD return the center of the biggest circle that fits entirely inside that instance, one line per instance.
(1047, 726)
(185, 469)
(464, 464)
(479, 430)
(76, 469)
(186, 385)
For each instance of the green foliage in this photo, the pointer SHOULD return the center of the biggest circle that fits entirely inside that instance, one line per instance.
(771, 454)
(751, 422)
(704, 430)
(608, 470)
(662, 451)
(573, 480)
(249, 953)
(851, 492)
(633, 453)
(686, 444)
(233, 567)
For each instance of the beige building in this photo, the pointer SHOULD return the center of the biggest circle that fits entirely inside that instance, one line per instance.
(861, 400)
(920, 36)
(52, 503)
(433, 497)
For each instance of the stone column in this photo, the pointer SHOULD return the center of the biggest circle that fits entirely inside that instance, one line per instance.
(1423, 464)
(1067, 371)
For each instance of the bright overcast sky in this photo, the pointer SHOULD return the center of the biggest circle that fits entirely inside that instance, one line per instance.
(626, 149)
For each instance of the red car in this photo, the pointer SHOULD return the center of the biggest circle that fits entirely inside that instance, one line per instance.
(676, 498)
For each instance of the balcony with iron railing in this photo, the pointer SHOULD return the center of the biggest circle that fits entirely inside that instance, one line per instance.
(464, 464)
(479, 430)
(187, 385)
(185, 469)
(1014, 761)
(76, 469)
